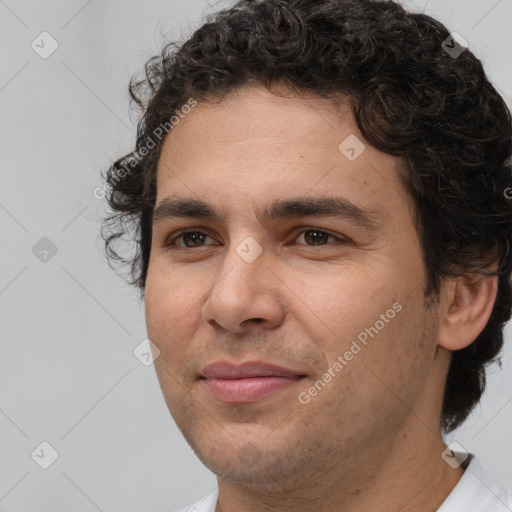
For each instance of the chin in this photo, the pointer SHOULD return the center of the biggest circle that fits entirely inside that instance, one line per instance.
(255, 469)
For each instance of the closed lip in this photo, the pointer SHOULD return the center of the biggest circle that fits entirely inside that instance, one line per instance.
(250, 369)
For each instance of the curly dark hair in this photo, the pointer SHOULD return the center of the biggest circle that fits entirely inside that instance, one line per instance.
(410, 97)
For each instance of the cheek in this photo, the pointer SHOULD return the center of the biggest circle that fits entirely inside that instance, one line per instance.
(171, 311)
(379, 381)
(370, 319)
(343, 301)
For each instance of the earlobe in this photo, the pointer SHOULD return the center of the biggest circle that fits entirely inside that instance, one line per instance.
(468, 304)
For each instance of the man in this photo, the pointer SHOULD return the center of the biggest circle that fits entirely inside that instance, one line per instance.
(323, 230)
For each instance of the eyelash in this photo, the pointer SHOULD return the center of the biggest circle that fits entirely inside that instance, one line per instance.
(170, 241)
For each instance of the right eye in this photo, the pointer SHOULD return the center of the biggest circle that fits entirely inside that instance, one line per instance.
(190, 238)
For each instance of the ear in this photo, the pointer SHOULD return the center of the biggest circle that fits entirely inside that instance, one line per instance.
(467, 306)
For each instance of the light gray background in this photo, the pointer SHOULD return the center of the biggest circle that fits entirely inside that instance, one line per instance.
(68, 375)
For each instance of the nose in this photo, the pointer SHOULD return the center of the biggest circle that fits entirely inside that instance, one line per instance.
(244, 296)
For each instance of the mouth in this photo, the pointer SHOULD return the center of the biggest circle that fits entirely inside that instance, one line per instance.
(247, 383)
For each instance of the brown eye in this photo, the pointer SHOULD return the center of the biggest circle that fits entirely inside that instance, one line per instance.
(193, 239)
(190, 239)
(317, 237)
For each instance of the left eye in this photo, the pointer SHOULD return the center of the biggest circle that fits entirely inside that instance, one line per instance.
(317, 237)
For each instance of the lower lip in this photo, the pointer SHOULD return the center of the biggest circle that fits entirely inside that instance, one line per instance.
(246, 391)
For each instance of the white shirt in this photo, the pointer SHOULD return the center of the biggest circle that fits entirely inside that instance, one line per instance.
(476, 491)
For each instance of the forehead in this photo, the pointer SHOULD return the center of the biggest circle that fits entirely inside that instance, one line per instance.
(254, 147)
(253, 112)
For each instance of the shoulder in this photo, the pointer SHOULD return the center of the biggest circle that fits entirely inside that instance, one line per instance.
(478, 491)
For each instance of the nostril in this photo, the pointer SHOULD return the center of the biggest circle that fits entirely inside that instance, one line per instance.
(255, 320)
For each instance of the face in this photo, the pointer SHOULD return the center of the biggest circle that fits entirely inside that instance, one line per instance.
(290, 316)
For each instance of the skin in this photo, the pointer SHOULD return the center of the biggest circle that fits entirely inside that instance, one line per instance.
(370, 439)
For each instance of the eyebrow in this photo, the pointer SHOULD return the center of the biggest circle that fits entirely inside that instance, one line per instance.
(333, 207)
